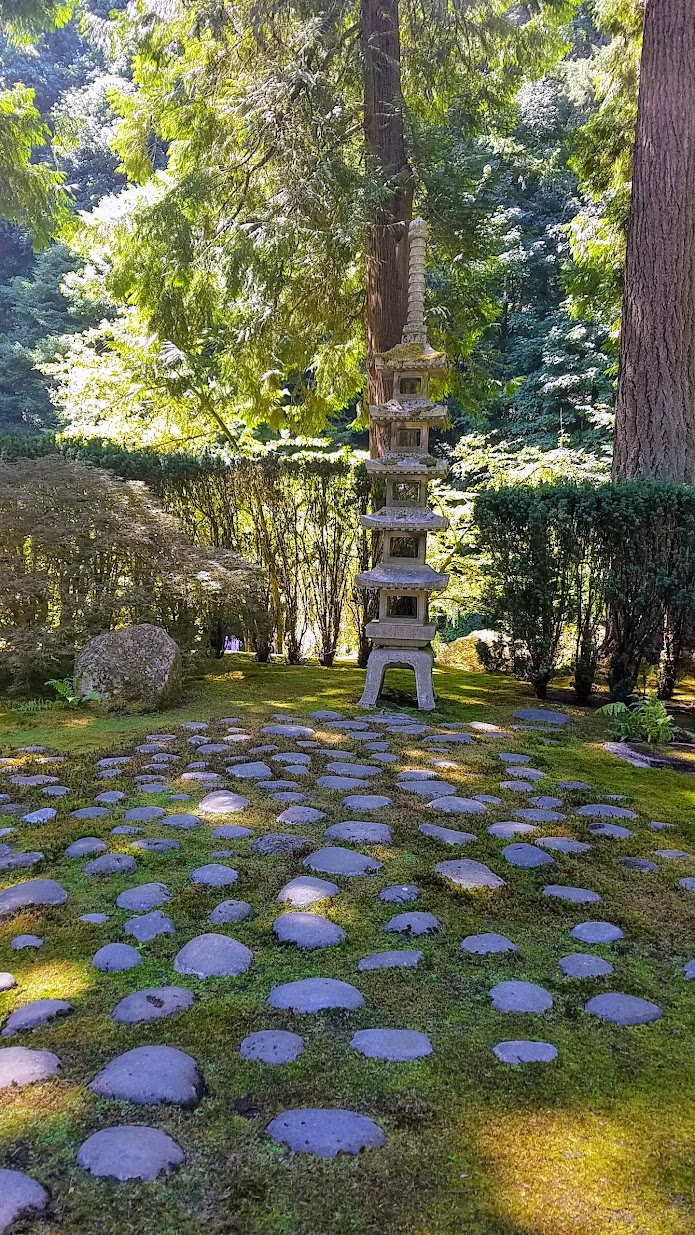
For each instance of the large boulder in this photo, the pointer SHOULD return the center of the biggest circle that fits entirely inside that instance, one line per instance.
(136, 669)
(478, 652)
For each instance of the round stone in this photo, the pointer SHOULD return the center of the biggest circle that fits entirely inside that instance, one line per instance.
(613, 831)
(526, 856)
(526, 773)
(145, 896)
(21, 1066)
(638, 864)
(110, 864)
(289, 731)
(395, 1045)
(18, 861)
(573, 785)
(281, 842)
(311, 995)
(539, 716)
(84, 846)
(183, 823)
(360, 833)
(535, 814)
(214, 875)
(20, 1196)
(365, 801)
(147, 926)
(509, 757)
(7, 981)
(596, 932)
(660, 827)
(448, 836)
(151, 1004)
(488, 943)
(688, 972)
(294, 757)
(213, 956)
(457, 806)
(337, 861)
(546, 802)
(151, 1074)
(32, 1015)
(508, 829)
(289, 798)
(129, 1151)
(304, 891)
(300, 815)
(578, 896)
(341, 782)
(157, 844)
(256, 770)
(126, 829)
(413, 923)
(222, 802)
(354, 769)
(231, 831)
(26, 941)
(417, 774)
(562, 844)
(40, 816)
(468, 875)
(402, 958)
(144, 814)
(97, 919)
(325, 1133)
(273, 1046)
(525, 1052)
(673, 854)
(230, 911)
(518, 786)
(584, 965)
(89, 812)
(430, 789)
(116, 957)
(605, 810)
(308, 930)
(520, 997)
(399, 894)
(621, 1009)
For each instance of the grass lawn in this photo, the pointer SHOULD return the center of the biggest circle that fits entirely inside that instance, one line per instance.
(599, 1142)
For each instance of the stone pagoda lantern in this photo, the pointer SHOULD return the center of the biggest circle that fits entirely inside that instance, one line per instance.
(402, 633)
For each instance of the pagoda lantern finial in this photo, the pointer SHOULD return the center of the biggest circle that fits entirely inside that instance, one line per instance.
(414, 330)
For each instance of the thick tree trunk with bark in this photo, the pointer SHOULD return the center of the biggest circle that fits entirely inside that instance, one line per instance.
(655, 407)
(386, 159)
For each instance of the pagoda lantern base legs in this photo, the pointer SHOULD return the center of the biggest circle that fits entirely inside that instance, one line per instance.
(381, 659)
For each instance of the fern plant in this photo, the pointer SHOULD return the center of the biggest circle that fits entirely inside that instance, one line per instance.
(646, 721)
(68, 693)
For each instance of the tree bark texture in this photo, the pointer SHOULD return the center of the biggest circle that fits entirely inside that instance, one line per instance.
(655, 405)
(386, 160)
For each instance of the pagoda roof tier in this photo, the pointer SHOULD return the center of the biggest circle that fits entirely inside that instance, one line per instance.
(410, 409)
(396, 578)
(411, 357)
(406, 465)
(404, 519)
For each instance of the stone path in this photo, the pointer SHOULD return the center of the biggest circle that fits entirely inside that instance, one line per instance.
(128, 884)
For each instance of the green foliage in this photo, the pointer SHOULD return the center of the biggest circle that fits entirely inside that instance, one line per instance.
(25, 20)
(645, 721)
(68, 693)
(30, 192)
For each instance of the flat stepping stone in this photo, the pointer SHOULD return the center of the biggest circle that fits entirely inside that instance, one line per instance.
(214, 875)
(311, 995)
(605, 810)
(183, 823)
(537, 814)
(110, 864)
(579, 896)
(144, 896)
(325, 1133)
(289, 798)
(354, 769)
(152, 1004)
(90, 812)
(32, 1015)
(394, 1045)
(289, 731)
(153, 787)
(638, 864)
(576, 785)
(523, 1051)
(213, 748)
(520, 786)
(33, 892)
(450, 739)
(457, 806)
(674, 854)
(488, 798)
(562, 844)
(213, 956)
(399, 894)
(620, 1009)
(596, 932)
(509, 829)
(508, 756)
(525, 773)
(147, 926)
(541, 716)
(272, 1046)
(401, 958)
(20, 1066)
(660, 827)
(32, 782)
(19, 861)
(688, 882)
(26, 941)
(341, 782)
(7, 981)
(97, 918)
(469, 875)
(428, 788)
(40, 816)
(517, 997)
(308, 931)
(84, 846)
(545, 802)
(126, 829)
(416, 774)
(359, 832)
(222, 802)
(157, 844)
(526, 856)
(20, 1196)
(251, 771)
(335, 860)
(487, 944)
(448, 836)
(281, 842)
(300, 815)
(304, 891)
(584, 965)
(116, 957)
(613, 831)
(283, 785)
(325, 714)
(414, 922)
(204, 778)
(129, 1151)
(688, 971)
(365, 801)
(293, 757)
(231, 831)
(230, 911)
(151, 1075)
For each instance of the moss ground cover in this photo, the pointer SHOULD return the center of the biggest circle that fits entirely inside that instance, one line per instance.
(600, 1141)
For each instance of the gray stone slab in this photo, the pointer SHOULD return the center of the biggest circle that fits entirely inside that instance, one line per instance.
(97, 919)
(414, 922)
(20, 942)
(222, 802)
(157, 844)
(325, 1133)
(596, 932)
(231, 831)
(365, 801)
(359, 832)
(182, 823)
(526, 856)
(578, 896)
(288, 798)
(129, 1151)
(562, 844)
(584, 965)
(308, 931)
(468, 875)
(399, 894)
(611, 831)
(416, 774)
(325, 714)
(536, 814)
(84, 846)
(508, 829)
(20, 1196)
(638, 864)
(40, 816)
(574, 785)
(334, 860)
(32, 892)
(32, 782)
(448, 836)
(688, 971)
(300, 815)
(35, 1014)
(126, 829)
(541, 716)
(151, 1075)
(526, 773)
(290, 731)
(213, 956)
(619, 1009)
(393, 1045)
(282, 842)
(341, 783)
(673, 854)
(152, 1004)
(272, 1046)
(282, 785)
(295, 757)
(487, 944)
(20, 1066)
(518, 786)
(354, 769)
(401, 958)
(546, 802)
(522, 1051)
(214, 875)
(429, 789)
(147, 926)
(305, 890)
(116, 957)
(509, 757)
(605, 810)
(488, 799)
(688, 882)
(660, 827)
(457, 806)
(19, 861)
(311, 995)
(144, 896)
(7, 981)
(518, 997)
(144, 814)
(230, 911)
(90, 812)
(203, 778)
(449, 739)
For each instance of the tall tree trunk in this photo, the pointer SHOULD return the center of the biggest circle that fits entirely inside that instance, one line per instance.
(387, 161)
(655, 408)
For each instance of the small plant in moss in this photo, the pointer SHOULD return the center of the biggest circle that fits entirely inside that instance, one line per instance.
(645, 721)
